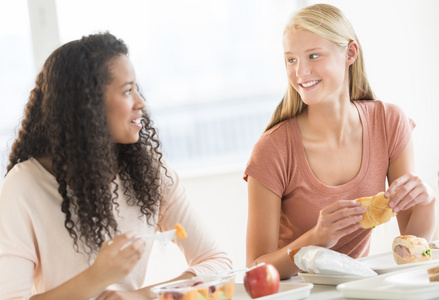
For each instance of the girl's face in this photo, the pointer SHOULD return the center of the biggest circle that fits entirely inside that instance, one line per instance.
(124, 105)
(317, 68)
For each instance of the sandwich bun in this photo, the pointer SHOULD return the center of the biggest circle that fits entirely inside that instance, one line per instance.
(378, 210)
(433, 274)
(410, 249)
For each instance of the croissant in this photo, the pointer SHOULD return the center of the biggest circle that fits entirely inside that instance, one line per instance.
(378, 210)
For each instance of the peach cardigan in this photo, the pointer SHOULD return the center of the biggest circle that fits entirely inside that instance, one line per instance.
(36, 251)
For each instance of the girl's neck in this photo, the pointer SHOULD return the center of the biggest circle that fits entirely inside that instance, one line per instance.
(329, 122)
(46, 162)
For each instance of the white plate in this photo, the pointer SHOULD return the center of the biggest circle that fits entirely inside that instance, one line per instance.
(328, 279)
(287, 291)
(385, 287)
(411, 278)
(385, 263)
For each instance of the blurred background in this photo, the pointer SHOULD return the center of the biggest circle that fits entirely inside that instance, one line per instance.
(212, 72)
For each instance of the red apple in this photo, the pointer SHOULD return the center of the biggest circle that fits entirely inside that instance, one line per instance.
(261, 280)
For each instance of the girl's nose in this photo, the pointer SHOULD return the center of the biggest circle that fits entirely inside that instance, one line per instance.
(139, 102)
(302, 69)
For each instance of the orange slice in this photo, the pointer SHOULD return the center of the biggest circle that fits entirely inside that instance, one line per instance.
(181, 233)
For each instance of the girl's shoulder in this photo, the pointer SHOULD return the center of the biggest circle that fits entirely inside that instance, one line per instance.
(27, 175)
(280, 129)
(378, 107)
(278, 139)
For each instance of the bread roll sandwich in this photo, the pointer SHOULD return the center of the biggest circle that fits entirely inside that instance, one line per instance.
(410, 249)
(433, 274)
(378, 210)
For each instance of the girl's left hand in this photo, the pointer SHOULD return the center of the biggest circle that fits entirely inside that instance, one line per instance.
(409, 191)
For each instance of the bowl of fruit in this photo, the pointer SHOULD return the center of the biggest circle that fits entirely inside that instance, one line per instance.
(202, 287)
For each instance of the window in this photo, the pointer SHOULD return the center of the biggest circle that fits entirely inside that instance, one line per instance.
(211, 71)
(16, 72)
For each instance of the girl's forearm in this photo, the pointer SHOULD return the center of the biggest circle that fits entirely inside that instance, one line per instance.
(146, 291)
(422, 221)
(282, 261)
(83, 286)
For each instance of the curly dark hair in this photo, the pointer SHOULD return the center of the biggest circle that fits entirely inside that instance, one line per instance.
(65, 120)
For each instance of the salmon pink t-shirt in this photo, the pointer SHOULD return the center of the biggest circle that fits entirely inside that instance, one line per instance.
(278, 162)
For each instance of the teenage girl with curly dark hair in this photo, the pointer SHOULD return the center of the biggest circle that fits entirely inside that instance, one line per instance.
(86, 175)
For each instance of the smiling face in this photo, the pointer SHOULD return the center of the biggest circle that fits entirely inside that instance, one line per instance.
(318, 69)
(123, 103)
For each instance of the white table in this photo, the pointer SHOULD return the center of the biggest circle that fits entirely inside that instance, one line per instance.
(319, 291)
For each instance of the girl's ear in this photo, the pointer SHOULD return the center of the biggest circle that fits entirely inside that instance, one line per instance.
(352, 52)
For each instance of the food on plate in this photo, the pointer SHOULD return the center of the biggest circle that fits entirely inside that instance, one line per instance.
(378, 210)
(180, 232)
(291, 253)
(410, 249)
(433, 274)
(261, 280)
(203, 287)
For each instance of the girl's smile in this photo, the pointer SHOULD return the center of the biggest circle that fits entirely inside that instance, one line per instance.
(309, 84)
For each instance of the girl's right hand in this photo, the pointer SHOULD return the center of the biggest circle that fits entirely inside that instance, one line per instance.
(117, 257)
(336, 221)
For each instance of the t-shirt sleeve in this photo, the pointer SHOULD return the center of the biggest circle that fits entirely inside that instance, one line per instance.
(17, 250)
(399, 128)
(269, 161)
(200, 248)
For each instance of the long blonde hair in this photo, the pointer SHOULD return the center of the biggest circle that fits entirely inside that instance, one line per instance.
(329, 23)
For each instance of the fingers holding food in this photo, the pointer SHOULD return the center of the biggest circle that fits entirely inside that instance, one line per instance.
(336, 221)
(409, 191)
(117, 257)
(341, 213)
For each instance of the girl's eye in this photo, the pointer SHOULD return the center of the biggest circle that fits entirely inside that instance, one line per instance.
(292, 60)
(314, 56)
(128, 92)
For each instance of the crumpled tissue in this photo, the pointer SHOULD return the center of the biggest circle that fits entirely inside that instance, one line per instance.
(320, 260)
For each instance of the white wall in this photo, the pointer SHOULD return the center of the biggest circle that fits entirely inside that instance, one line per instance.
(222, 200)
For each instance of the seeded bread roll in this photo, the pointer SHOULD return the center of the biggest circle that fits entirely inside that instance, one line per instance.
(410, 249)
(378, 210)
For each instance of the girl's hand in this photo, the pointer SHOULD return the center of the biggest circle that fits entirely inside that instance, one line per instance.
(409, 191)
(337, 220)
(117, 258)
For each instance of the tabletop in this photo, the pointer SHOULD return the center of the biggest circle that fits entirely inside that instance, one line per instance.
(320, 291)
